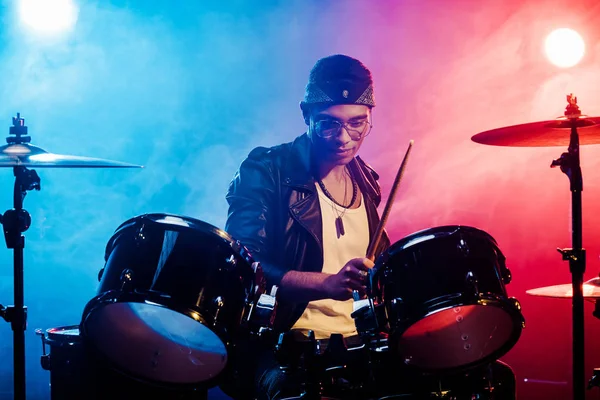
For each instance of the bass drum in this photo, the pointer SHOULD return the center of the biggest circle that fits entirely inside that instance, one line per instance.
(175, 293)
(444, 299)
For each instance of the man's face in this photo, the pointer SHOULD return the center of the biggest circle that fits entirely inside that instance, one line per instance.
(337, 132)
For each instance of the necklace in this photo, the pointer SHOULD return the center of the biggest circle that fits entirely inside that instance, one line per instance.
(339, 223)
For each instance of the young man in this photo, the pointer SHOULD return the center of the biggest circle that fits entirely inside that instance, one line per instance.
(307, 210)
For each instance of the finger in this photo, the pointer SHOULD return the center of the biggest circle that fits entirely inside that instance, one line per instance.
(363, 264)
(356, 284)
(355, 273)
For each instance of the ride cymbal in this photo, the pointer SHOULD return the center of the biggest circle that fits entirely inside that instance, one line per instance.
(28, 155)
(542, 134)
(591, 290)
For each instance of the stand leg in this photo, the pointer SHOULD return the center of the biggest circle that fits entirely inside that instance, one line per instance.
(19, 326)
(577, 270)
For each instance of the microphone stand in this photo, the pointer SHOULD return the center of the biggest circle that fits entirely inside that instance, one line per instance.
(15, 222)
(570, 165)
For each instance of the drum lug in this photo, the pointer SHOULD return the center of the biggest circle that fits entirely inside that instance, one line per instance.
(41, 334)
(219, 303)
(396, 312)
(463, 248)
(517, 305)
(231, 261)
(100, 274)
(45, 359)
(471, 280)
(46, 362)
(126, 278)
(506, 276)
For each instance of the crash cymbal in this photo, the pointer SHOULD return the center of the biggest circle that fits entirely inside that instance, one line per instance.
(543, 134)
(28, 155)
(591, 290)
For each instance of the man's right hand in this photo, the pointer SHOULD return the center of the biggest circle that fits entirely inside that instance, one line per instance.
(351, 277)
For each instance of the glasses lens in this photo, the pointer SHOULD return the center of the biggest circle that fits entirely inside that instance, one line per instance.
(327, 128)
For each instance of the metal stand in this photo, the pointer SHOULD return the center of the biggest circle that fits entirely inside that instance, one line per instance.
(570, 164)
(15, 222)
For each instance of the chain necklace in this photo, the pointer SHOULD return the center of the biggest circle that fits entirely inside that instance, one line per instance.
(339, 223)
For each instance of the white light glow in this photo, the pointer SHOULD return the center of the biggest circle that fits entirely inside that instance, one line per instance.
(564, 47)
(48, 16)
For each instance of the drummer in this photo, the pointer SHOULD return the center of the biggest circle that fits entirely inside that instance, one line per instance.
(307, 210)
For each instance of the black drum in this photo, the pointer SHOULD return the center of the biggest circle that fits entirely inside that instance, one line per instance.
(444, 299)
(174, 295)
(75, 374)
(66, 363)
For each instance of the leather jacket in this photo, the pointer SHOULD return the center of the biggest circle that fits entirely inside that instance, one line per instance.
(274, 212)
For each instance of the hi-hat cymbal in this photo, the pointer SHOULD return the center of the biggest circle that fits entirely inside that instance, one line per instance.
(542, 134)
(591, 290)
(28, 155)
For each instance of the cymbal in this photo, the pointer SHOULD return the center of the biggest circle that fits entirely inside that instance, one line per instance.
(550, 133)
(591, 290)
(28, 155)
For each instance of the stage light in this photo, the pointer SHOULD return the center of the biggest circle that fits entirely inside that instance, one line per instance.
(48, 16)
(564, 47)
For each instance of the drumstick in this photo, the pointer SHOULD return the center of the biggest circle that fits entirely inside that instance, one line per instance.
(386, 211)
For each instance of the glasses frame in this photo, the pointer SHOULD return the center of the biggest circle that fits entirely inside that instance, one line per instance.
(344, 125)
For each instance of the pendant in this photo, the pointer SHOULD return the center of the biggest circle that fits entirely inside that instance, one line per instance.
(339, 224)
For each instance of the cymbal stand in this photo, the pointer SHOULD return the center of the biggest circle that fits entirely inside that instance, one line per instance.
(570, 165)
(15, 222)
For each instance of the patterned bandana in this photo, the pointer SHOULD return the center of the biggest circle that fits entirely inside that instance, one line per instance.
(339, 79)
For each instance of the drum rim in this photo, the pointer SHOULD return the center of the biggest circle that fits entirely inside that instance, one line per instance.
(508, 304)
(196, 225)
(437, 232)
(55, 337)
(116, 296)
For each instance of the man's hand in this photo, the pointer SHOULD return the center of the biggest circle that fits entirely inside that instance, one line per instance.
(351, 277)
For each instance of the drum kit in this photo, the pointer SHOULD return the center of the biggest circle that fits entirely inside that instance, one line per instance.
(176, 295)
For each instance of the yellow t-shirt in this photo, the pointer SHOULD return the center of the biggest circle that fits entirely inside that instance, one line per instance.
(325, 317)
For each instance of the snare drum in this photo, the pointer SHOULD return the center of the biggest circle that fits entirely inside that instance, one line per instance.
(174, 294)
(444, 297)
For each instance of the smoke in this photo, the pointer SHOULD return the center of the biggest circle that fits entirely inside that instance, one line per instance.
(187, 90)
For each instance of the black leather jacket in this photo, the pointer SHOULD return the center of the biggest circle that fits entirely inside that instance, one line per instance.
(274, 211)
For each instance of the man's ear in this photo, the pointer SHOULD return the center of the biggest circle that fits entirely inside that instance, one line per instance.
(305, 112)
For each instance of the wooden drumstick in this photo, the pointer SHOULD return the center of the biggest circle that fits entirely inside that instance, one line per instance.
(386, 211)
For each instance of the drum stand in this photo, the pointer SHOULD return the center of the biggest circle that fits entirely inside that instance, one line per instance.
(15, 222)
(569, 164)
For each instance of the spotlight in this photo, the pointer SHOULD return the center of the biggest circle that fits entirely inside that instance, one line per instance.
(564, 47)
(48, 16)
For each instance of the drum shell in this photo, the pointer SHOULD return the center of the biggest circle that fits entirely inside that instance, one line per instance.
(206, 271)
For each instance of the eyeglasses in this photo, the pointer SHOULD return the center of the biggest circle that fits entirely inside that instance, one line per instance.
(328, 128)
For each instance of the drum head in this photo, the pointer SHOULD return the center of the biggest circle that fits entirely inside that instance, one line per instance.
(63, 335)
(156, 343)
(457, 336)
